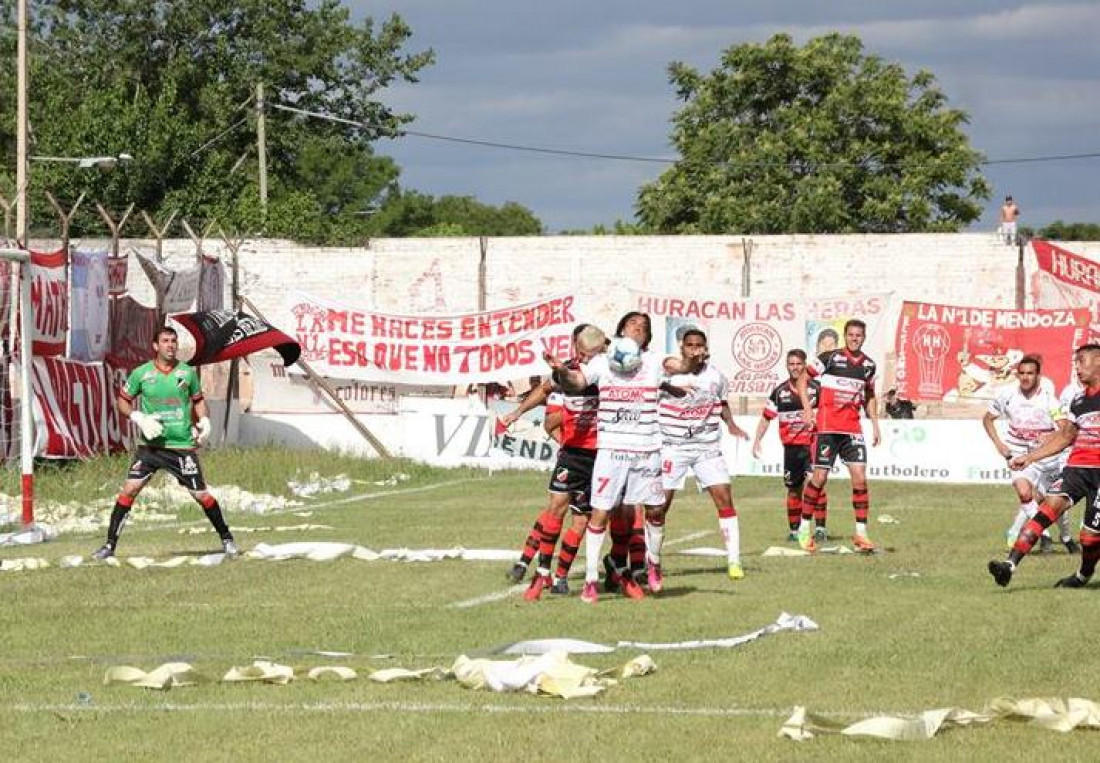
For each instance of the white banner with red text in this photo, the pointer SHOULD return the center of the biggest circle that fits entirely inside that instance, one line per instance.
(1064, 279)
(749, 339)
(468, 348)
(74, 409)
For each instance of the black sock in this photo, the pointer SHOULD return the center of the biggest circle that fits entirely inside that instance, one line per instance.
(214, 514)
(118, 516)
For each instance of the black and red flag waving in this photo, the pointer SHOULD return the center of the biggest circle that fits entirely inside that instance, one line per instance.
(224, 335)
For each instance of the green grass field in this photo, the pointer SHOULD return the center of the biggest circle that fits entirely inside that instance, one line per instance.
(949, 637)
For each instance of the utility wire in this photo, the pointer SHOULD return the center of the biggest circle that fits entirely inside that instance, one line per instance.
(651, 159)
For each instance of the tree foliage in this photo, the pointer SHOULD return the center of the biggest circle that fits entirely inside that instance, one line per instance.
(1062, 231)
(813, 139)
(419, 214)
(172, 84)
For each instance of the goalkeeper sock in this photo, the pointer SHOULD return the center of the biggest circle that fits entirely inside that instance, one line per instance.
(118, 518)
(214, 514)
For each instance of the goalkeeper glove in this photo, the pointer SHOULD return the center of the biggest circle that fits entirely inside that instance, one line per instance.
(150, 427)
(201, 431)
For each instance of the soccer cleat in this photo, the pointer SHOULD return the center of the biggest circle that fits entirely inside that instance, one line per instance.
(229, 548)
(1046, 544)
(821, 535)
(1072, 546)
(1001, 572)
(612, 579)
(736, 572)
(104, 552)
(631, 589)
(863, 543)
(1073, 581)
(534, 591)
(589, 594)
(806, 540)
(560, 587)
(654, 578)
(518, 572)
(792, 536)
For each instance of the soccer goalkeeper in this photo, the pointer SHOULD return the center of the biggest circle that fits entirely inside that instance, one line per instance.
(169, 392)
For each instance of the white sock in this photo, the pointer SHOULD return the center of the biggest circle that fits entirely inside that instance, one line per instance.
(593, 545)
(861, 529)
(1063, 527)
(804, 526)
(1025, 512)
(731, 534)
(654, 539)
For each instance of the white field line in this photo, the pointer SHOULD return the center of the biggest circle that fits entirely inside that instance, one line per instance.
(688, 538)
(489, 598)
(309, 506)
(552, 708)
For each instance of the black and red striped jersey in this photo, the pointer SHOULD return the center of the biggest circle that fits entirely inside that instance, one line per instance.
(1084, 412)
(785, 405)
(846, 380)
(578, 413)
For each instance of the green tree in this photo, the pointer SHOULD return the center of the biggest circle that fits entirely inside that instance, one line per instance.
(172, 83)
(420, 214)
(1061, 231)
(813, 139)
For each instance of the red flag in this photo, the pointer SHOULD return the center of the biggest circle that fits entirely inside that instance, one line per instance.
(224, 335)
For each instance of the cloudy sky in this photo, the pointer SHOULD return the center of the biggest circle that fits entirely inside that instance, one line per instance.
(591, 76)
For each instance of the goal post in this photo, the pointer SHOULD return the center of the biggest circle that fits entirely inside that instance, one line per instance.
(26, 392)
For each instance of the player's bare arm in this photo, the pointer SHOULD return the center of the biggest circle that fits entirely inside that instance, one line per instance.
(571, 380)
(801, 389)
(731, 425)
(757, 442)
(871, 403)
(994, 437)
(535, 399)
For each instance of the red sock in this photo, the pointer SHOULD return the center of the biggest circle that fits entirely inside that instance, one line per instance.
(861, 502)
(569, 545)
(821, 511)
(794, 510)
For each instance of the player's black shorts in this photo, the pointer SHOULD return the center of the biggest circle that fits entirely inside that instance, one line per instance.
(181, 464)
(850, 447)
(1076, 483)
(573, 475)
(796, 465)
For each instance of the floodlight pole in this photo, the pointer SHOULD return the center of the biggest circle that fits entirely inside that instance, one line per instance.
(21, 215)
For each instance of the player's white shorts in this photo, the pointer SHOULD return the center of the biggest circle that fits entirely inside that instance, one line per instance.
(708, 466)
(628, 477)
(1041, 474)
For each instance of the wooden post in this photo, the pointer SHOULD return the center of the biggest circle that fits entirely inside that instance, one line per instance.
(747, 246)
(158, 233)
(232, 390)
(320, 382)
(66, 219)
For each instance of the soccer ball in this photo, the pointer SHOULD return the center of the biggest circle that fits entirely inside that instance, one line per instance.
(624, 356)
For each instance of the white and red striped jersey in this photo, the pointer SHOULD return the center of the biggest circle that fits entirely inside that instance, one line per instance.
(846, 380)
(578, 414)
(1084, 412)
(694, 421)
(627, 417)
(1030, 417)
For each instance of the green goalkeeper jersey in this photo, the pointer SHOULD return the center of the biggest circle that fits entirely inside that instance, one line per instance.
(169, 397)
